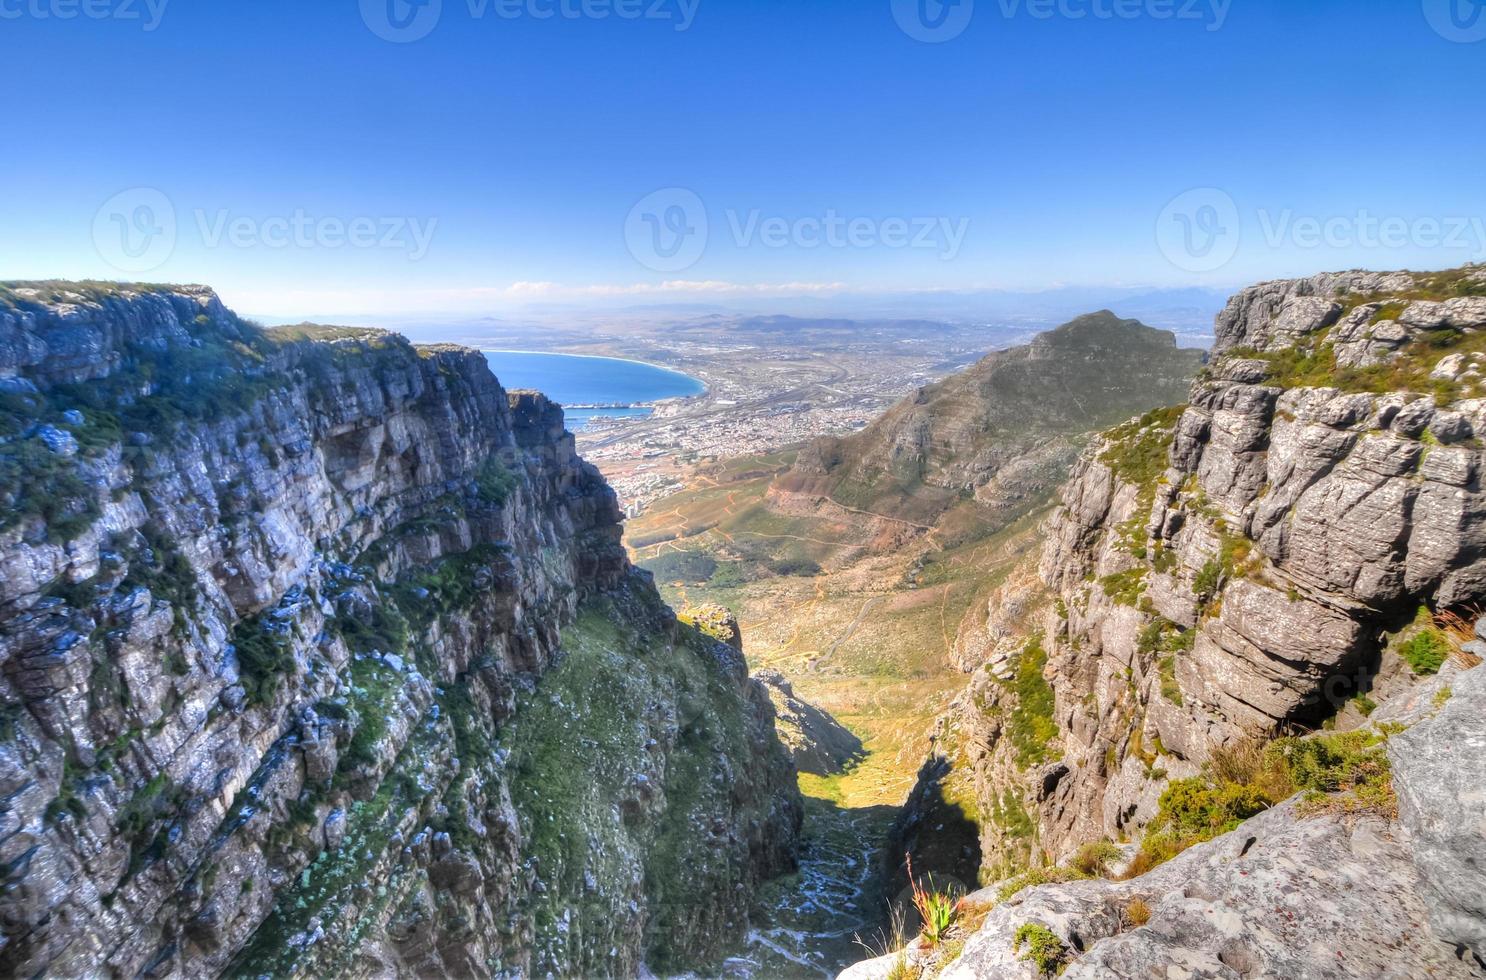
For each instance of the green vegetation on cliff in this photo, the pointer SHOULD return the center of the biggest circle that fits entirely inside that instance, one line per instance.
(587, 737)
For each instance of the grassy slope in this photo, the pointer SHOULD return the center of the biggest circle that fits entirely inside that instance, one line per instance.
(867, 639)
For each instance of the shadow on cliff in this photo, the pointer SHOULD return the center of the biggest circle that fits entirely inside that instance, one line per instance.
(819, 744)
(943, 843)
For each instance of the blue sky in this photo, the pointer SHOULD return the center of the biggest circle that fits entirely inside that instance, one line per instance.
(797, 147)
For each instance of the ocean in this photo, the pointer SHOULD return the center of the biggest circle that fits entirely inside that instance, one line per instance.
(575, 379)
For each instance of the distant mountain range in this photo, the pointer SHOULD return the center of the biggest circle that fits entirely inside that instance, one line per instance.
(1187, 312)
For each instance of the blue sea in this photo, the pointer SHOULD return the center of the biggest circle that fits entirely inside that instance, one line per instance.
(574, 379)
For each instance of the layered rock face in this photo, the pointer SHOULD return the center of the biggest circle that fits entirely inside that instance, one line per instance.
(1250, 585)
(1001, 434)
(1267, 559)
(1290, 893)
(300, 632)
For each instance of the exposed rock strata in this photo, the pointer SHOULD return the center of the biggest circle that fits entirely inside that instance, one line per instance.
(1249, 565)
(273, 620)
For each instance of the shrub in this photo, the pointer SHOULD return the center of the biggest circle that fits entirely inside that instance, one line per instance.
(1241, 780)
(901, 969)
(1044, 949)
(494, 482)
(1193, 808)
(1137, 912)
(1352, 764)
(1425, 651)
(1094, 859)
(1138, 451)
(1347, 771)
(1125, 588)
(1033, 877)
(263, 658)
(1206, 584)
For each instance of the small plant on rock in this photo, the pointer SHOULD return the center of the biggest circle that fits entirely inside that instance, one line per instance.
(1137, 912)
(936, 909)
(1096, 858)
(1044, 949)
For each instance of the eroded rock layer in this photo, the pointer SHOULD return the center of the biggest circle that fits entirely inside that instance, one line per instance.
(1301, 546)
(305, 635)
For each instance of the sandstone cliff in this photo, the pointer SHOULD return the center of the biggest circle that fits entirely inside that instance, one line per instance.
(1299, 546)
(320, 655)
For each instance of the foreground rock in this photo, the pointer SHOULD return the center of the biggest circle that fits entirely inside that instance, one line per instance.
(320, 655)
(1288, 894)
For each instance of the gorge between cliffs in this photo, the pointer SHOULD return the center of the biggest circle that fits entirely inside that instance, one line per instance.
(324, 655)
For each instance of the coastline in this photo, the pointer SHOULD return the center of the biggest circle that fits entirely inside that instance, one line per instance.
(706, 388)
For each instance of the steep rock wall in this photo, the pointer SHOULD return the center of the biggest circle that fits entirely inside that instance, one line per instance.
(1237, 568)
(287, 622)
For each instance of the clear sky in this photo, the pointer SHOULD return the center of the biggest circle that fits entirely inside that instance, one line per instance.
(290, 154)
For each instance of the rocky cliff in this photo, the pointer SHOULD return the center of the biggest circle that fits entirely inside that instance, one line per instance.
(1300, 548)
(320, 655)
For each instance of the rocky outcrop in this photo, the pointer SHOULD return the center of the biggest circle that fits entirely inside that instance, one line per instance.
(300, 634)
(1288, 551)
(1439, 770)
(818, 743)
(1293, 892)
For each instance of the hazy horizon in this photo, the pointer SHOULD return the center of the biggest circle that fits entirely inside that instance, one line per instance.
(446, 158)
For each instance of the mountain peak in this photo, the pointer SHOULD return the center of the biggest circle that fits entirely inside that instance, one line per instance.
(1104, 328)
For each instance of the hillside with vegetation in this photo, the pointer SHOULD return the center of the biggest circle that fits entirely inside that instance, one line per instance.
(985, 445)
(857, 611)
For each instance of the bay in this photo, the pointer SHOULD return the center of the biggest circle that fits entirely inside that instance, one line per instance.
(623, 388)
